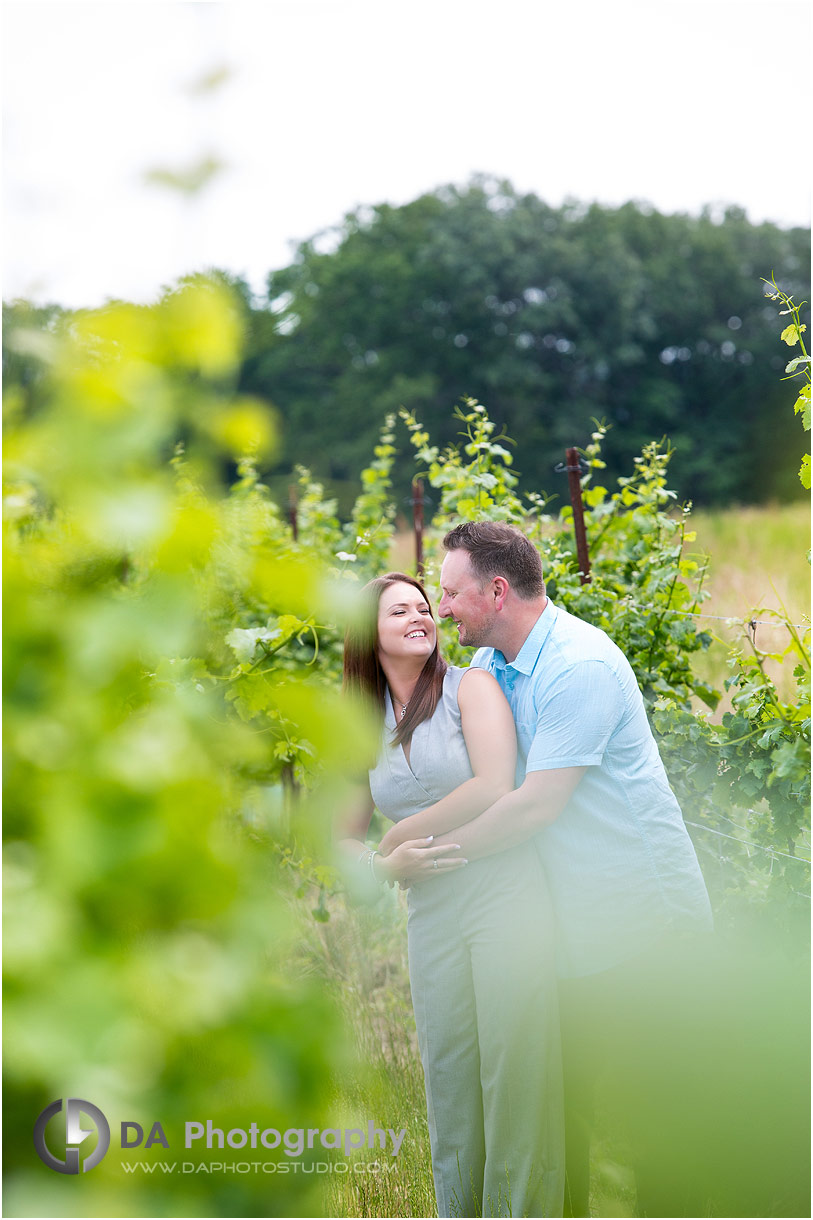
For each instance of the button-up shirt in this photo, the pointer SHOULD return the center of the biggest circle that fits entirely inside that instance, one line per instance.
(619, 861)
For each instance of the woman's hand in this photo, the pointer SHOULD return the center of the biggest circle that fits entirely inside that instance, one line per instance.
(416, 860)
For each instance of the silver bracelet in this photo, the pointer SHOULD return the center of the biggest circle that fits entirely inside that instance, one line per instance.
(366, 858)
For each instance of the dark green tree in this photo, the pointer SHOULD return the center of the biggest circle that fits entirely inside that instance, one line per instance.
(552, 316)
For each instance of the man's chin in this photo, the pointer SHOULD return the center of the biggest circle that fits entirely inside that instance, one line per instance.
(467, 639)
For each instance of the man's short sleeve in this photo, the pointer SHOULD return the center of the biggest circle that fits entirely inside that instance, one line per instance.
(576, 717)
(481, 658)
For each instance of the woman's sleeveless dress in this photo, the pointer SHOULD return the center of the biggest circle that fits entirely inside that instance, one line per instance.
(483, 981)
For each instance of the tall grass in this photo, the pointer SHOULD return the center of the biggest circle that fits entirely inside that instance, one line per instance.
(360, 953)
(758, 557)
(757, 560)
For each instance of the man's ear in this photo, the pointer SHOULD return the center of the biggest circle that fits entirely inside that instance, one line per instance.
(500, 588)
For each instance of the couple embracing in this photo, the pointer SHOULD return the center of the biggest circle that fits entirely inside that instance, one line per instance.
(544, 854)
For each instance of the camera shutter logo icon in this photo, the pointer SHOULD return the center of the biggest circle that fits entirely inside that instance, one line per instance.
(75, 1135)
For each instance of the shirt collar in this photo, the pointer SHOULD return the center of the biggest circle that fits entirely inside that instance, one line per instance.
(528, 654)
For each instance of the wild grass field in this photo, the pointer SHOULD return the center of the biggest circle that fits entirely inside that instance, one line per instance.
(757, 562)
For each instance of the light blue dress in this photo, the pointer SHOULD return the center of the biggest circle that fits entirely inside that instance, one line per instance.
(482, 972)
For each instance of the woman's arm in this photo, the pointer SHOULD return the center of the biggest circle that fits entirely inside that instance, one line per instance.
(352, 826)
(412, 859)
(491, 741)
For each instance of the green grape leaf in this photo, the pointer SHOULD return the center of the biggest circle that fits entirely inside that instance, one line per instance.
(792, 334)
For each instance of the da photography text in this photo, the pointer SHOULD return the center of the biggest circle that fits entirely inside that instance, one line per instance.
(82, 1119)
(293, 1141)
(157, 1168)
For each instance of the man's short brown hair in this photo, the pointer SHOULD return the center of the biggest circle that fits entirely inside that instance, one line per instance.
(496, 549)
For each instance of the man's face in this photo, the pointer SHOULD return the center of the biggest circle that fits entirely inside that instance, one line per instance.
(464, 600)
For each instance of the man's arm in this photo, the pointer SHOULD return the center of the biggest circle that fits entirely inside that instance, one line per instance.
(518, 816)
(564, 736)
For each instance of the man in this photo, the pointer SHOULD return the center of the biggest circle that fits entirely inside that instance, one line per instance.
(593, 794)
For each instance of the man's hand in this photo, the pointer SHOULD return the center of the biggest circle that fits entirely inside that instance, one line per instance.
(392, 839)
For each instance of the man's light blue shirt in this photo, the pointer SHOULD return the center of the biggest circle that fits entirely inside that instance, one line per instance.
(619, 861)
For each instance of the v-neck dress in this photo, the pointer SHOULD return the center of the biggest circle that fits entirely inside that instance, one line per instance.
(438, 758)
(482, 974)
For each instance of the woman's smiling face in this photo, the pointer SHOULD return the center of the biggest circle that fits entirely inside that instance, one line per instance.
(405, 624)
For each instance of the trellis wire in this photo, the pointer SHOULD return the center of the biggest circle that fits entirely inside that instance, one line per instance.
(770, 851)
(727, 618)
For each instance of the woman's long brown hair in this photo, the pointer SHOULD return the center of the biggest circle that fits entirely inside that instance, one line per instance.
(362, 669)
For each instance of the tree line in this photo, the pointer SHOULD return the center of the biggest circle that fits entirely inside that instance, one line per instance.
(553, 317)
(656, 325)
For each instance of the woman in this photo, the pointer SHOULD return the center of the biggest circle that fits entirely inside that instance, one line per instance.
(480, 934)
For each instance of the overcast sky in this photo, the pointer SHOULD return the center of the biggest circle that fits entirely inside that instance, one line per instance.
(328, 104)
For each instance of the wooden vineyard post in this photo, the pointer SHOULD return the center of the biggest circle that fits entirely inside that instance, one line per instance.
(292, 511)
(417, 519)
(573, 468)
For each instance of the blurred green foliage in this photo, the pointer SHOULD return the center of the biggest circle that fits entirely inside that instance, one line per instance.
(147, 922)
